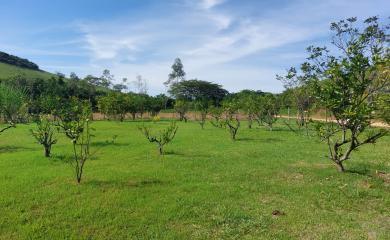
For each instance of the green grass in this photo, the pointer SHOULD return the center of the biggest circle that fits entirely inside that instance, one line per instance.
(8, 71)
(206, 187)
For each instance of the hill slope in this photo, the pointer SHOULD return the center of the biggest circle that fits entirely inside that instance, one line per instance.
(7, 71)
(17, 61)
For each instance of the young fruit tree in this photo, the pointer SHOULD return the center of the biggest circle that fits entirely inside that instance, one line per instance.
(202, 106)
(248, 101)
(12, 106)
(350, 85)
(303, 99)
(216, 114)
(44, 134)
(232, 122)
(161, 138)
(182, 107)
(268, 110)
(74, 121)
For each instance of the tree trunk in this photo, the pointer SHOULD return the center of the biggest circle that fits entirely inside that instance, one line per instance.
(340, 166)
(288, 112)
(47, 151)
(160, 149)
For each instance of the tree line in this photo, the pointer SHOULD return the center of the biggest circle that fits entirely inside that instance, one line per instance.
(17, 61)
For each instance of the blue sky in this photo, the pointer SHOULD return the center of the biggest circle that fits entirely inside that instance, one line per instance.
(240, 44)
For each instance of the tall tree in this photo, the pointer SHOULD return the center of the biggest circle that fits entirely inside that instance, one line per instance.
(177, 73)
(198, 90)
(119, 87)
(141, 85)
(106, 79)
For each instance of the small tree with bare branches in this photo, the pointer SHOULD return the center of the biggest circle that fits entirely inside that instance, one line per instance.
(161, 138)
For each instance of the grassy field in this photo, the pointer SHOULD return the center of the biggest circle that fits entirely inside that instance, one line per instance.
(7, 71)
(206, 187)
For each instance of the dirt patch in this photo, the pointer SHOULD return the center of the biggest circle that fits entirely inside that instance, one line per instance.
(321, 119)
(312, 165)
(384, 176)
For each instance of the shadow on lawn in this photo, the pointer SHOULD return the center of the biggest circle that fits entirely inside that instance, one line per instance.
(245, 139)
(363, 172)
(171, 152)
(61, 158)
(10, 149)
(188, 155)
(272, 140)
(125, 184)
(107, 143)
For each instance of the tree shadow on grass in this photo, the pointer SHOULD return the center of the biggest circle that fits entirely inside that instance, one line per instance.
(267, 140)
(188, 155)
(172, 152)
(125, 184)
(107, 143)
(273, 140)
(243, 139)
(10, 149)
(61, 158)
(363, 172)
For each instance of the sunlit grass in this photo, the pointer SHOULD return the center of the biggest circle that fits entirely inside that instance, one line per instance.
(205, 187)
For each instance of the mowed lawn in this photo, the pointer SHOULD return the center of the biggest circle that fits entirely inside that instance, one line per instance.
(205, 187)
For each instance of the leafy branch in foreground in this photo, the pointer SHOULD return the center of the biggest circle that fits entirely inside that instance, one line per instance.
(44, 134)
(162, 137)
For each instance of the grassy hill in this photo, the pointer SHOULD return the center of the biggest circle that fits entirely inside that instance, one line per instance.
(7, 71)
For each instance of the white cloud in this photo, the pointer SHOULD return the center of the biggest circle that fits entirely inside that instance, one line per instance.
(208, 40)
(106, 47)
(208, 4)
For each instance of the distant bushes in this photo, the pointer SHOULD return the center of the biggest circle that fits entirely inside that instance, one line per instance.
(17, 61)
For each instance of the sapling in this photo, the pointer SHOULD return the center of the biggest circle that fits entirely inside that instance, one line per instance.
(74, 121)
(231, 119)
(203, 107)
(267, 114)
(182, 107)
(161, 138)
(226, 117)
(216, 116)
(233, 124)
(44, 134)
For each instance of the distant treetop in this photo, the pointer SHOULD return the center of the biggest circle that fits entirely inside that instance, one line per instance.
(17, 61)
